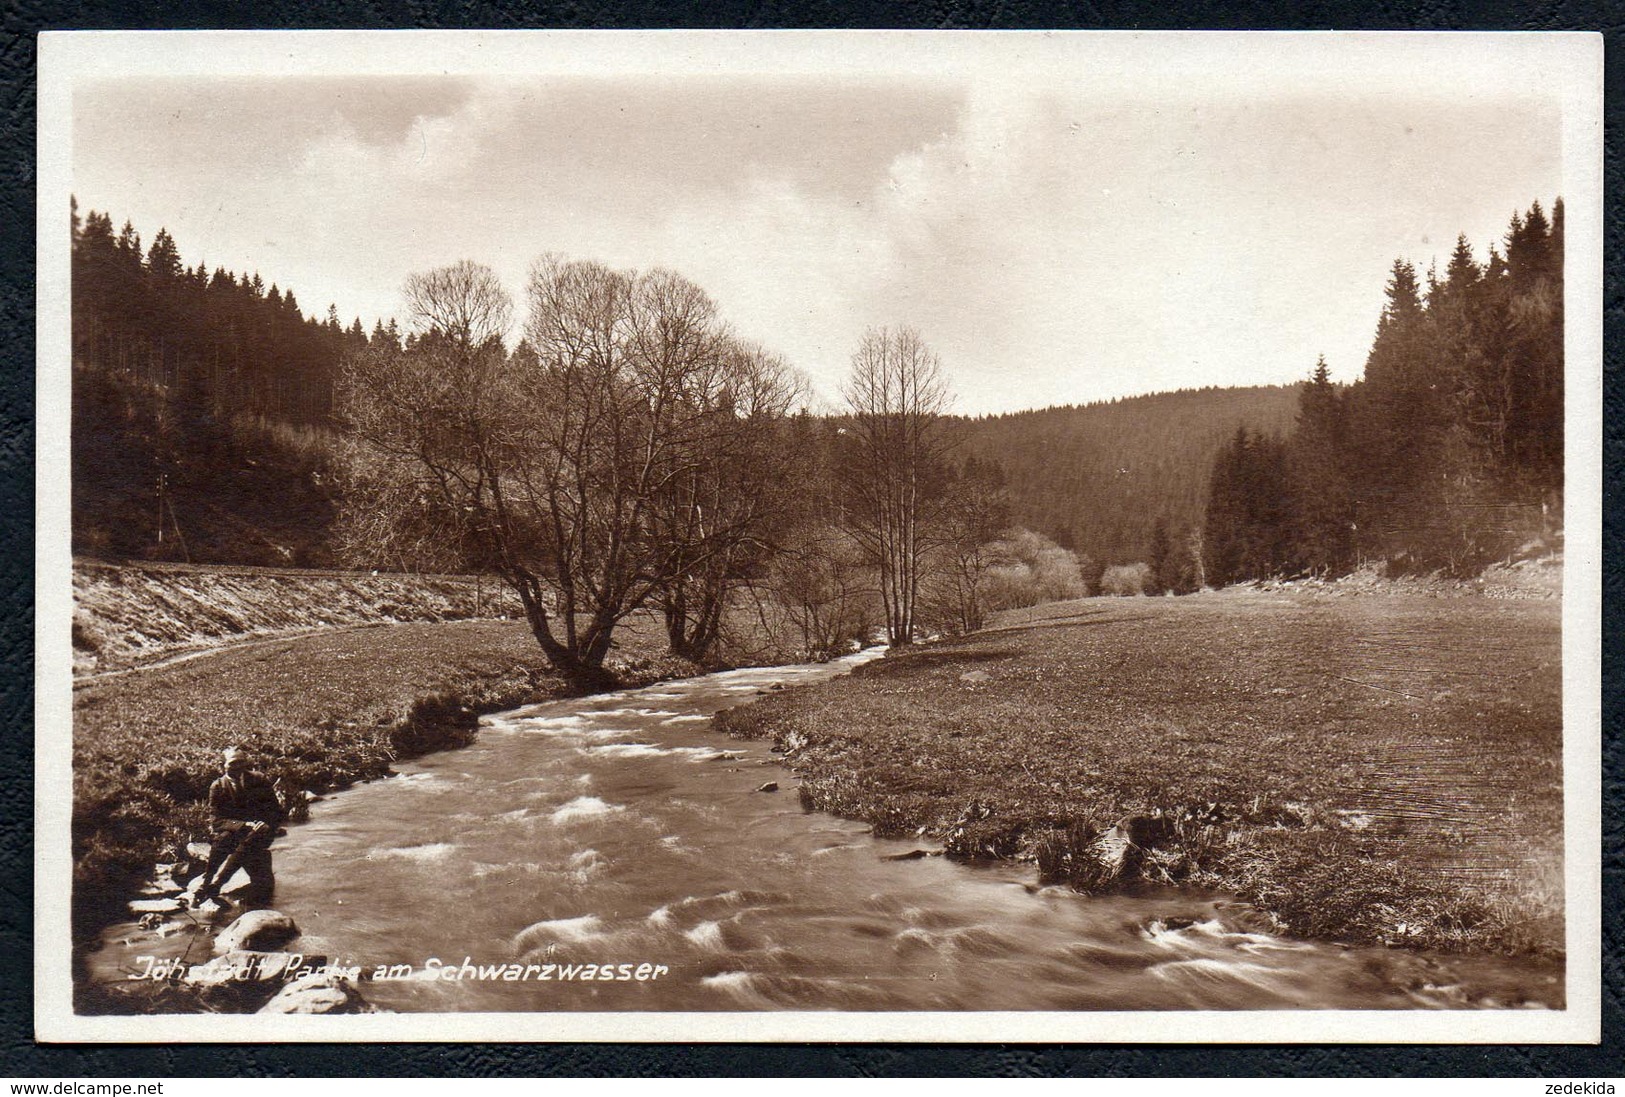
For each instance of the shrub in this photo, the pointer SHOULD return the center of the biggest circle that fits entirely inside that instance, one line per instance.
(1125, 580)
(1029, 568)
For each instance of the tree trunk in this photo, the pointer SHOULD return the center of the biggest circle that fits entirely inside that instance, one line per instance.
(581, 669)
(694, 636)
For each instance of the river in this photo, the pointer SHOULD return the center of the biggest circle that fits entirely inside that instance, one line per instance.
(621, 829)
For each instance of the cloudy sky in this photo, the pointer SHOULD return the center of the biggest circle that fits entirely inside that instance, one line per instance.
(1059, 233)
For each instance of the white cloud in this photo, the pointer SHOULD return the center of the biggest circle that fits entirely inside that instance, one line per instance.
(1053, 242)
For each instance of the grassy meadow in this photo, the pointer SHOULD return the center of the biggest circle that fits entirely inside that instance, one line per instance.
(1373, 769)
(323, 711)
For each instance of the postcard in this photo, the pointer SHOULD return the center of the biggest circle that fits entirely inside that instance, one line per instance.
(819, 536)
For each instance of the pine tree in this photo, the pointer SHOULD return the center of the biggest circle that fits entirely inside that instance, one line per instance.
(1318, 467)
(1249, 529)
(1400, 411)
(129, 245)
(1533, 356)
(163, 260)
(1270, 514)
(1160, 557)
(1455, 434)
(1222, 524)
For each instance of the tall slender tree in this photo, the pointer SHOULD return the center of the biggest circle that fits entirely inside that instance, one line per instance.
(893, 468)
(1161, 576)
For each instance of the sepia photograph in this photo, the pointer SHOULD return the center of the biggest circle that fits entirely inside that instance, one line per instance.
(937, 536)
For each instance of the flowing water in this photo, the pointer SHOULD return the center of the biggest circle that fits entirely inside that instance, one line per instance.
(622, 830)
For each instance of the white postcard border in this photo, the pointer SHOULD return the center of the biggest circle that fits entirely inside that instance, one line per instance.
(1250, 63)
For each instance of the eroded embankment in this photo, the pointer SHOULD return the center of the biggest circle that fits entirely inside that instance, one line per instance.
(1375, 770)
(128, 614)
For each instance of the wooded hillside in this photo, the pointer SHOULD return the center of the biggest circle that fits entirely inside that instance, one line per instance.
(201, 410)
(1097, 477)
(203, 427)
(201, 423)
(1446, 456)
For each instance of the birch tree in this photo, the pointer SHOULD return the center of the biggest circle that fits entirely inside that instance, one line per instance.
(892, 468)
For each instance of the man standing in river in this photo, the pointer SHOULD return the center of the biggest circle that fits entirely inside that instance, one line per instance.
(247, 811)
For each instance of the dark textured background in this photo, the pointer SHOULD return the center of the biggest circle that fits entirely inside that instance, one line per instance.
(19, 1056)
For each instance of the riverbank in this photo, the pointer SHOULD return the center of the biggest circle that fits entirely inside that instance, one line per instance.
(321, 711)
(1383, 769)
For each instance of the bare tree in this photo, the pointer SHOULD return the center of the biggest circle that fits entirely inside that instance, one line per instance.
(464, 302)
(584, 467)
(895, 397)
(725, 513)
(974, 513)
(821, 591)
(816, 592)
(426, 427)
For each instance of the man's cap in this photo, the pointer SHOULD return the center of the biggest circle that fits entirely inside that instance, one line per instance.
(231, 754)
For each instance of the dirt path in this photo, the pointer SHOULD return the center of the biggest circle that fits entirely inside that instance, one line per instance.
(245, 643)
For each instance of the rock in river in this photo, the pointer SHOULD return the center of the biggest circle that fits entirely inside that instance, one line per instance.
(318, 992)
(257, 930)
(242, 980)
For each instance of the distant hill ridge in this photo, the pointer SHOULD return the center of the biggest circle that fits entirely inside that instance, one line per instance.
(1095, 477)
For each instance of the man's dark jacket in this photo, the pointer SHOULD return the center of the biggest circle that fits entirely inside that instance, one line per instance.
(249, 799)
